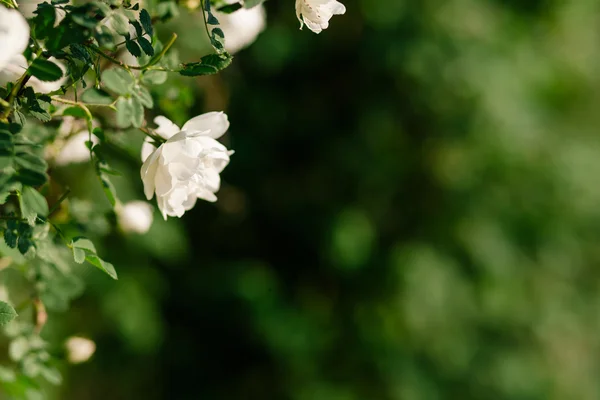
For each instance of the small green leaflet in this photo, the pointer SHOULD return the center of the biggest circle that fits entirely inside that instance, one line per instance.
(229, 8)
(45, 70)
(32, 204)
(118, 80)
(133, 48)
(208, 65)
(7, 313)
(146, 21)
(84, 250)
(153, 77)
(96, 96)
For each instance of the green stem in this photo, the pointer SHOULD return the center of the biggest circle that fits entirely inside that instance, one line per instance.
(152, 136)
(160, 55)
(16, 89)
(60, 200)
(85, 105)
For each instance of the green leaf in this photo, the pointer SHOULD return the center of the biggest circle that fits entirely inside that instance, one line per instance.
(103, 265)
(146, 21)
(43, 22)
(11, 237)
(154, 77)
(81, 244)
(118, 80)
(78, 255)
(102, 7)
(252, 3)
(137, 112)
(31, 161)
(81, 53)
(75, 111)
(133, 48)
(32, 204)
(229, 8)
(108, 188)
(52, 374)
(144, 96)
(31, 178)
(146, 46)
(96, 96)
(124, 112)
(121, 24)
(7, 313)
(45, 70)
(138, 28)
(7, 187)
(208, 65)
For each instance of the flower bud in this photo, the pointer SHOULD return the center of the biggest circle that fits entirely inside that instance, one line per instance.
(135, 217)
(79, 349)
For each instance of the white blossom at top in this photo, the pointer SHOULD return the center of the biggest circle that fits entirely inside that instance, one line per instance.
(317, 13)
(14, 35)
(79, 349)
(242, 27)
(187, 166)
(135, 217)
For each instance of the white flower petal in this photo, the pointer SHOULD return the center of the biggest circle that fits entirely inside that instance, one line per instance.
(14, 35)
(242, 27)
(147, 148)
(148, 173)
(215, 124)
(317, 13)
(166, 128)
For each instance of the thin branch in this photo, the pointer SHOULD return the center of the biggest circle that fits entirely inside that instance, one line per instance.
(84, 105)
(59, 201)
(152, 136)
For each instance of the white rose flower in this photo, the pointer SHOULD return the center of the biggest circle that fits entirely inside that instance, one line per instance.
(187, 166)
(79, 349)
(135, 217)
(16, 68)
(317, 13)
(14, 35)
(242, 27)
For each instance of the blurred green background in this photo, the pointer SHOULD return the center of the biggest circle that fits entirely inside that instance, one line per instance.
(412, 213)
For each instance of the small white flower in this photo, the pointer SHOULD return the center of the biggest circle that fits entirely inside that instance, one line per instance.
(16, 68)
(187, 166)
(79, 349)
(74, 150)
(14, 35)
(242, 27)
(135, 217)
(317, 13)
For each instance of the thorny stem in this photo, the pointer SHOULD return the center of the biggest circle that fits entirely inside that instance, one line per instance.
(84, 105)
